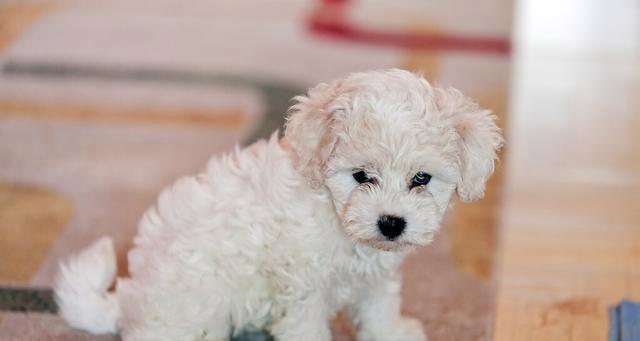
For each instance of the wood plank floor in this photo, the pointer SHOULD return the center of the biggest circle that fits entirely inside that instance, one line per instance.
(570, 246)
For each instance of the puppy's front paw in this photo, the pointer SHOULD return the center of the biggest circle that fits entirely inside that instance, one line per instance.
(405, 329)
(410, 329)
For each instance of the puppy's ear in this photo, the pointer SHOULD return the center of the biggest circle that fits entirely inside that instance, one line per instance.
(480, 139)
(309, 130)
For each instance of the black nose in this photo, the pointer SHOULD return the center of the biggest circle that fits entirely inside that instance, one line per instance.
(390, 226)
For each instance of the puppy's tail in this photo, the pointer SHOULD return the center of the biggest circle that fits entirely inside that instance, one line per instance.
(81, 289)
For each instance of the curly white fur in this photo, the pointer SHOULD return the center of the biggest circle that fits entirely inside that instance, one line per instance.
(280, 235)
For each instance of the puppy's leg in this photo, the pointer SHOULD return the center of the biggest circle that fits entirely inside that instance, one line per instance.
(376, 315)
(305, 319)
(186, 309)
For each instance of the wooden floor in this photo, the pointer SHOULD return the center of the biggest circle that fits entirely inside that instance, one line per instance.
(570, 244)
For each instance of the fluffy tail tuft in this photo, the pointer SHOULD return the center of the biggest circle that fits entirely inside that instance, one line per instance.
(81, 289)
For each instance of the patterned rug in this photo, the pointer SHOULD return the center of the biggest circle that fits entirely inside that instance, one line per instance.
(102, 104)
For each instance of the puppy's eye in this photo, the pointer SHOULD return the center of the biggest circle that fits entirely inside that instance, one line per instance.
(420, 179)
(361, 176)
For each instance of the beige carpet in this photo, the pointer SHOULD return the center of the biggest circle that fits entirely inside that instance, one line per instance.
(104, 103)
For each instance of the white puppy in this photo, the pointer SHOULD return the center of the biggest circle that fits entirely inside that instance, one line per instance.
(283, 234)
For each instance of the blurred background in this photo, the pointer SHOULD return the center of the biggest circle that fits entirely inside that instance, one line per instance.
(104, 103)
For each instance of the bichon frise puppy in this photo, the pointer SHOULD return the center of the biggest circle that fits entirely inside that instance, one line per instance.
(285, 233)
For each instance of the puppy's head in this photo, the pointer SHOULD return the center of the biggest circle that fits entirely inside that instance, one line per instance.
(391, 150)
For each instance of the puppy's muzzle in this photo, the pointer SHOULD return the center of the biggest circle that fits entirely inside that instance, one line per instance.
(391, 226)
